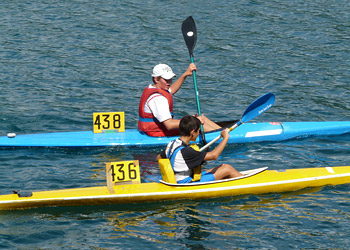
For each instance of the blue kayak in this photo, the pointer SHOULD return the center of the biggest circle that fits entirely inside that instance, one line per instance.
(248, 132)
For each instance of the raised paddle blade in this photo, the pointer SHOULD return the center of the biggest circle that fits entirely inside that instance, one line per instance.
(258, 107)
(189, 32)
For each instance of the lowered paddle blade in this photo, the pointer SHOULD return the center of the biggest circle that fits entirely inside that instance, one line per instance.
(189, 32)
(256, 108)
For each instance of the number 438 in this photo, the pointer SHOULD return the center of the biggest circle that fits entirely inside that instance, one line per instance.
(109, 122)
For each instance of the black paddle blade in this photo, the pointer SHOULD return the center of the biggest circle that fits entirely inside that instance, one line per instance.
(189, 32)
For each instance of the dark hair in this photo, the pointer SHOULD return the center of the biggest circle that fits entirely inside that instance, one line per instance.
(189, 123)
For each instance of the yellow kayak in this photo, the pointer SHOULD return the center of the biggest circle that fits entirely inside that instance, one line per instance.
(257, 181)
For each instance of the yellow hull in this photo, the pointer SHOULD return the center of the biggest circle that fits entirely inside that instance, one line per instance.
(269, 181)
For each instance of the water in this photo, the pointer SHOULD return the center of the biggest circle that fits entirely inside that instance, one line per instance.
(60, 61)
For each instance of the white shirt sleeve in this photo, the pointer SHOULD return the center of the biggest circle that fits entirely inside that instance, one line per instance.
(158, 105)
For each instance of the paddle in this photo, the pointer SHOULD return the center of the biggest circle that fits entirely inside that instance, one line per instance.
(189, 33)
(255, 109)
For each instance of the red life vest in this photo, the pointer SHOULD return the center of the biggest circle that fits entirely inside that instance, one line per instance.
(147, 122)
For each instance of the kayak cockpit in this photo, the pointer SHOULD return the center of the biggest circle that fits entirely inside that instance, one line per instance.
(168, 176)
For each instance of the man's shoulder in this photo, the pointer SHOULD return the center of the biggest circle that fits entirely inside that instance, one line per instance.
(191, 152)
(151, 87)
(188, 150)
(156, 97)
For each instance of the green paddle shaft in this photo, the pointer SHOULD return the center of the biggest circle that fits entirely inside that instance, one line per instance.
(196, 91)
(189, 32)
(197, 100)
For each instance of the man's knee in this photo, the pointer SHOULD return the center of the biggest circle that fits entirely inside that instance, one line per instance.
(226, 166)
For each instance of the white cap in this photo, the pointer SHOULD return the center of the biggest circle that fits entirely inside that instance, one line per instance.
(164, 71)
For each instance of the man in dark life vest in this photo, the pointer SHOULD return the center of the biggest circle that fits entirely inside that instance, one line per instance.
(156, 104)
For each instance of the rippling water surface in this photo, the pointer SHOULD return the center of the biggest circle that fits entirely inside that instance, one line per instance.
(60, 61)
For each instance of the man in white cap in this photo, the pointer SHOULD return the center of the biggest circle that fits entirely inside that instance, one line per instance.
(156, 103)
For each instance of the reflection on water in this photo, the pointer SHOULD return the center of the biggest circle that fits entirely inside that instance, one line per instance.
(278, 219)
(300, 215)
(175, 221)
